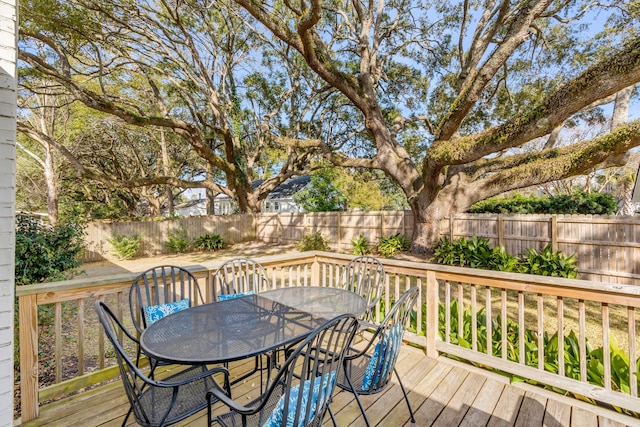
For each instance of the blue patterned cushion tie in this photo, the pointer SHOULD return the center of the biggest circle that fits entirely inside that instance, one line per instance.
(380, 362)
(153, 313)
(232, 296)
(318, 398)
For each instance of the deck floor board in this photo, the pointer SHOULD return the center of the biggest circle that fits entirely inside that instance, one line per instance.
(441, 392)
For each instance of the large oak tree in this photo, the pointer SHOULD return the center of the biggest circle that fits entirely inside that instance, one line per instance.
(450, 92)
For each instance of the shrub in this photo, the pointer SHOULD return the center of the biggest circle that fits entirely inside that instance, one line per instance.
(360, 246)
(209, 242)
(45, 253)
(177, 242)
(549, 263)
(578, 202)
(476, 253)
(313, 241)
(390, 246)
(126, 247)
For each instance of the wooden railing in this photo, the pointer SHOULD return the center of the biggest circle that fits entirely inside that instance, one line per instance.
(462, 312)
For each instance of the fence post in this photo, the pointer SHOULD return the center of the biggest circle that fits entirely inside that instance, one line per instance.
(451, 232)
(279, 228)
(28, 312)
(554, 233)
(432, 314)
(339, 231)
(501, 230)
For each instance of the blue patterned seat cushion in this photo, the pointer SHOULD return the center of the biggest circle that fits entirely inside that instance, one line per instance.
(380, 362)
(231, 296)
(318, 397)
(153, 313)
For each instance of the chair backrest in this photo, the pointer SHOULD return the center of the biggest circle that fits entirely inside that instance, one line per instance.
(307, 378)
(365, 275)
(161, 285)
(133, 379)
(386, 342)
(239, 276)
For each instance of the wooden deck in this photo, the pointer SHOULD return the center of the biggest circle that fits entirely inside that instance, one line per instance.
(442, 393)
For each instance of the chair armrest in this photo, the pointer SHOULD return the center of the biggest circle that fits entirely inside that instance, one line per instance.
(224, 396)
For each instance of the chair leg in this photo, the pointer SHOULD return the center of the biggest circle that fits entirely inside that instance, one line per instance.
(355, 393)
(406, 398)
(333, 418)
(126, 417)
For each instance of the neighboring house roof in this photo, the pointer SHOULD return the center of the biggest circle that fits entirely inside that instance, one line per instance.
(190, 203)
(284, 191)
(290, 187)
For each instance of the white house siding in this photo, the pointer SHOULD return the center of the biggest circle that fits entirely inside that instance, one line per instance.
(8, 32)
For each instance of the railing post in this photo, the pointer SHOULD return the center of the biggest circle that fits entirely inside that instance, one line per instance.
(432, 314)
(315, 272)
(28, 312)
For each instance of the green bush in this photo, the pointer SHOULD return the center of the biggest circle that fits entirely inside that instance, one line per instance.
(177, 242)
(313, 241)
(578, 202)
(45, 253)
(390, 246)
(209, 242)
(549, 263)
(126, 247)
(476, 253)
(360, 246)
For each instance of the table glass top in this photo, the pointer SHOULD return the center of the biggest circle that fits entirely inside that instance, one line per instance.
(242, 327)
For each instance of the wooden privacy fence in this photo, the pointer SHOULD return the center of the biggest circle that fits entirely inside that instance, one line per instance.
(461, 312)
(154, 234)
(607, 247)
(339, 227)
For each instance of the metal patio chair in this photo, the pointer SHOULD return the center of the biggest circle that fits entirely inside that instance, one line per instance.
(168, 288)
(369, 370)
(236, 278)
(301, 390)
(365, 276)
(156, 403)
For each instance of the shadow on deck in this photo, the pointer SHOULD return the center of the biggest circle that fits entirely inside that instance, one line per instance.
(442, 393)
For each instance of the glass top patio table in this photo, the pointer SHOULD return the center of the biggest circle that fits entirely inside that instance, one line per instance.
(246, 326)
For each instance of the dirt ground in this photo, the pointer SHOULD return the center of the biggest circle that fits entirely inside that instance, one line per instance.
(117, 266)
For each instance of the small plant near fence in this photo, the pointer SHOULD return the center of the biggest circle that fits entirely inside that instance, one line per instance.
(177, 242)
(126, 247)
(209, 242)
(390, 246)
(314, 241)
(476, 253)
(360, 246)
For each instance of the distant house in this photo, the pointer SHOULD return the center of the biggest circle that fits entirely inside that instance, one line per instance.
(193, 207)
(279, 200)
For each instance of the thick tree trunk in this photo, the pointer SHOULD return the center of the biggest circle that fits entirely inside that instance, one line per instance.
(52, 185)
(426, 228)
(166, 170)
(628, 207)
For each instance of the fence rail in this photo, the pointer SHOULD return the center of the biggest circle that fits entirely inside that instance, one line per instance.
(504, 321)
(607, 247)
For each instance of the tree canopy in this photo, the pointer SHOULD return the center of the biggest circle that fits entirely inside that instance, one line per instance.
(450, 93)
(455, 101)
